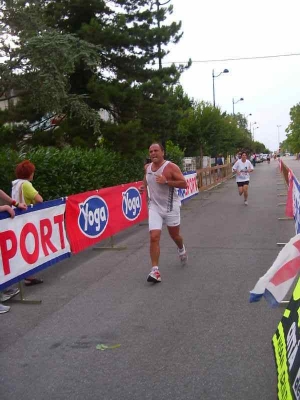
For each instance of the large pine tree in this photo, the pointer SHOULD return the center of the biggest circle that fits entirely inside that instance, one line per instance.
(75, 57)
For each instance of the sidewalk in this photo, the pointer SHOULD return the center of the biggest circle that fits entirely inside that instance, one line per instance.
(193, 336)
(293, 164)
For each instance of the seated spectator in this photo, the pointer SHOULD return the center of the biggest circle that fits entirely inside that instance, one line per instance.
(22, 190)
(9, 293)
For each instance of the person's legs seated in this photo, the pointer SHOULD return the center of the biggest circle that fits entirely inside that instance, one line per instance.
(32, 281)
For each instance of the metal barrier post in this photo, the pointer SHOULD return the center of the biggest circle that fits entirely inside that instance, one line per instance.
(22, 299)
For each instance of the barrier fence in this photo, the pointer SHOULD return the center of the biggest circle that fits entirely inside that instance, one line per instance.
(293, 195)
(285, 171)
(49, 232)
(210, 176)
(286, 340)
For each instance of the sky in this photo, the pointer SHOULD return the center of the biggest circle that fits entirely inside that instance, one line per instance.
(218, 30)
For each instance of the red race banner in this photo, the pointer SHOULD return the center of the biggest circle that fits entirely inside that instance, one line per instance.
(98, 214)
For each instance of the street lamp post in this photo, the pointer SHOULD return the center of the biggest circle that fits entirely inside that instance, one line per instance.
(278, 126)
(246, 117)
(225, 71)
(252, 125)
(234, 102)
(255, 127)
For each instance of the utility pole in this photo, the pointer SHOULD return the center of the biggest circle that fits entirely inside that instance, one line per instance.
(278, 126)
(158, 5)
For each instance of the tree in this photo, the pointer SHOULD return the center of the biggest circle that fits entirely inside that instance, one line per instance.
(76, 57)
(241, 121)
(39, 62)
(293, 131)
(260, 148)
(205, 130)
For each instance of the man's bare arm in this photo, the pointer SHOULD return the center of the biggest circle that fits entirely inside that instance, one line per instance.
(143, 187)
(173, 177)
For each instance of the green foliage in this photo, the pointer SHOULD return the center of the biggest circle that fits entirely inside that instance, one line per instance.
(77, 57)
(63, 172)
(258, 147)
(205, 130)
(12, 135)
(74, 58)
(240, 120)
(174, 153)
(8, 161)
(39, 65)
(293, 131)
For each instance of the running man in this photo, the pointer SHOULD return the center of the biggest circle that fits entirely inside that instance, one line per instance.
(161, 179)
(242, 168)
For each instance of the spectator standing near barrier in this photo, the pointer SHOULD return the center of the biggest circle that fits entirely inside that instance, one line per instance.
(23, 191)
(161, 179)
(242, 168)
(8, 294)
(220, 162)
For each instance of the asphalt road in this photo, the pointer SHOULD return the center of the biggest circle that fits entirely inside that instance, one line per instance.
(193, 336)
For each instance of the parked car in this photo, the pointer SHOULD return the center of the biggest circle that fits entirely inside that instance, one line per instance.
(259, 158)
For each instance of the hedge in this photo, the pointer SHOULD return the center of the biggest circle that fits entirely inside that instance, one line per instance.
(61, 172)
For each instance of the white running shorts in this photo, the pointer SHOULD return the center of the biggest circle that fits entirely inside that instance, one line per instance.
(156, 219)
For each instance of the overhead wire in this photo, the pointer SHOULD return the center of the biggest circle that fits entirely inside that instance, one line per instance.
(234, 59)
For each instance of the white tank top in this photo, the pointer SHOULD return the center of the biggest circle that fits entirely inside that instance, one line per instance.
(17, 190)
(161, 197)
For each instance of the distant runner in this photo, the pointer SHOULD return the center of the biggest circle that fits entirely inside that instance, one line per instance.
(161, 179)
(242, 168)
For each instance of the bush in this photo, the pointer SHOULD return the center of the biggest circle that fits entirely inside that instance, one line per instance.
(174, 154)
(60, 173)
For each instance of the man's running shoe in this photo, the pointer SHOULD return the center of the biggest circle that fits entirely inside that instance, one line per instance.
(246, 202)
(183, 256)
(154, 276)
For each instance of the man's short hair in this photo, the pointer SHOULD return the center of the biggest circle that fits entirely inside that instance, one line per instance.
(159, 144)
